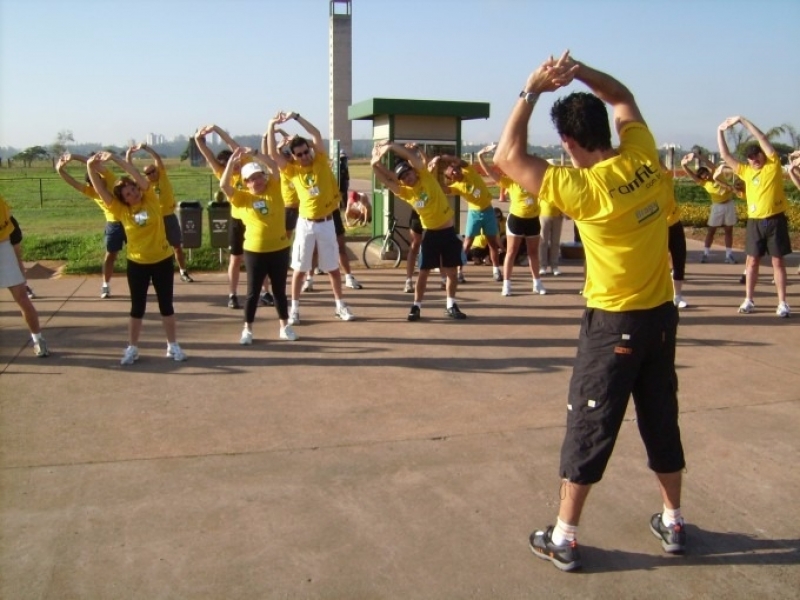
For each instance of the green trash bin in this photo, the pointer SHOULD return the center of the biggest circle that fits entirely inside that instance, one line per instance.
(190, 217)
(219, 223)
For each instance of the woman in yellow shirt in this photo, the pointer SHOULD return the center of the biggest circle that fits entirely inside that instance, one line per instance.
(135, 205)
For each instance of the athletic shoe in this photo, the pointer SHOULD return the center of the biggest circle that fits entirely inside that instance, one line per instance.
(542, 272)
(413, 313)
(30, 292)
(747, 307)
(497, 276)
(294, 318)
(743, 279)
(461, 278)
(318, 271)
(673, 537)
(105, 292)
(556, 272)
(288, 334)
(343, 312)
(538, 287)
(131, 356)
(352, 283)
(506, 289)
(566, 557)
(308, 286)
(185, 277)
(783, 310)
(409, 287)
(267, 299)
(175, 353)
(680, 302)
(729, 260)
(454, 313)
(233, 301)
(704, 258)
(40, 348)
(247, 338)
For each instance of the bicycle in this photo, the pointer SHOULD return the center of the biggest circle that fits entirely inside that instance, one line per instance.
(384, 251)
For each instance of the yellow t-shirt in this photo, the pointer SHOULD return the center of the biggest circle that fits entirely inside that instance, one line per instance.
(144, 228)
(548, 210)
(290, 199)
(674, 215)
(719, 195)
(472, 189)
(620, 205)
(110, 179)
(523, 204)
(236, 183)
(264, 218)
(163, 189)
(763, 188)
(429, 200)
(6, 226)
(480, 241)
(317, 194)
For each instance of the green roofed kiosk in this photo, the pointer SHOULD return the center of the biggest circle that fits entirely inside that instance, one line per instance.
(435, 125)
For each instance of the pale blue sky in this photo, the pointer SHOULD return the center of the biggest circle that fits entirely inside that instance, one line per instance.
(112, 70)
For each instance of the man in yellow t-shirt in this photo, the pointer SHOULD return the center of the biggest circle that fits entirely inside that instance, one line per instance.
(767, 226)
(411, 181)
(619, 199)
(723, 208)
(114, 232)
(310, 173)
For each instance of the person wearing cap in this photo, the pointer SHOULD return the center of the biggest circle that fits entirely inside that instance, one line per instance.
(310, 172)
(266, 245)
(134, 203)
(619, 197)
(156, 174)
(414, 184)
(13, 278)
(767, 226)
(114, 231)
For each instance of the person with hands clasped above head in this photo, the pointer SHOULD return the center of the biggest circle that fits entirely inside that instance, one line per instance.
(135, 205)
(619, 199)
(767, 226)
(310, 173)
(266, 246)
(413, 183)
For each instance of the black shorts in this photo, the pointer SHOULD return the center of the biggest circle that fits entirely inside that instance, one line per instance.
(440, 248)
(619, 355)
(16, 233)
(414, 223)
(519, 227)
(292, 212)
(677, 250)
(337, 222)
(768, 236)
(236, 237)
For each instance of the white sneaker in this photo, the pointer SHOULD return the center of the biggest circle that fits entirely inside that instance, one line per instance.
(288, 334)
(105, 292)
(556, 272)
(506, 289)
(294, 318)
(680, 302)
(730, 260)
(783, 310)
(247, 338)
(308, 286)
(542, 272)
(538, 287)
(352, 283)
(40, 348)
(175, 353)
(344, 313)
(131, 356)
(747, 307)
(409, 287)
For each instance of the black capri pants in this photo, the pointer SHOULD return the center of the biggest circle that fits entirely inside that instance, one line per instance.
(139, 277)
(677, 249)
(260, 265)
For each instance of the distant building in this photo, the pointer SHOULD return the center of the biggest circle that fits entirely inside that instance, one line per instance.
(340, 55)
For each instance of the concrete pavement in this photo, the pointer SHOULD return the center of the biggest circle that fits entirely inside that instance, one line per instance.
(380, 458)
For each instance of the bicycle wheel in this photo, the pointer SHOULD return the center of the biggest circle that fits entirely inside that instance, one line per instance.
(381, 253)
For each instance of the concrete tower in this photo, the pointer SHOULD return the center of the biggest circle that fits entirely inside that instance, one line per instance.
(340, 83)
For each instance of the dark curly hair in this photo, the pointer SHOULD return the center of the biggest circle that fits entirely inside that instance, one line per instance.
(584, 118)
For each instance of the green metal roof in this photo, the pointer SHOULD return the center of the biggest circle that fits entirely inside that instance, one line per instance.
(429, 108)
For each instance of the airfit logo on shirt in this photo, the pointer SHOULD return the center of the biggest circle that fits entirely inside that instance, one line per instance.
(644, 178)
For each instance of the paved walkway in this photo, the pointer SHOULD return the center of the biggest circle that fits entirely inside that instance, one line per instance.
(380, 458)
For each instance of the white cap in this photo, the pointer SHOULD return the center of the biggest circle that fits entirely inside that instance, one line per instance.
(251, 169)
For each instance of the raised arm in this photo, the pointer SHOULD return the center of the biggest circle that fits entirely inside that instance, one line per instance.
(316, 136)
(794, 172)
(382, 173)
(132, 171)
(93, 166)
(719, 177)
(156, 156)
(415, 158)
(226, 180)
(610, 91)
(724, 153)
(490, 171)
(763, 141)
(272, 149)
(63, 160)
(685, 164)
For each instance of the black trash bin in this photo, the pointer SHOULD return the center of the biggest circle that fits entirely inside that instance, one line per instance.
(190, 216)
(219, 222)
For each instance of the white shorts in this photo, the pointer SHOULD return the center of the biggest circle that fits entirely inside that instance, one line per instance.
(10, 274)
(723, 215)
(309, 235)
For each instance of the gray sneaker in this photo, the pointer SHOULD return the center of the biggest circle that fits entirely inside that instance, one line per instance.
(673, 537)
(566, 557)
(40, 348)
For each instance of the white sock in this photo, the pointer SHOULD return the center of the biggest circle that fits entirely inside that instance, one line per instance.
(450, 302)
(564, 533)
(728, 251)
(495, 270)
(36, 337)
(670, 516)
(295, 305)
(309, 280)
(339, 304)
(705, 251)
(348, 276)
